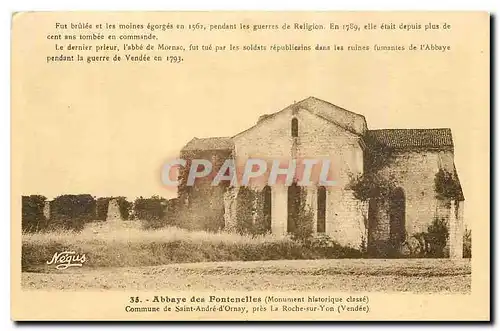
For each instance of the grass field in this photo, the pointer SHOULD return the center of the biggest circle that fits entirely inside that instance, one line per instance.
(129, 246)
(409, 275)
(123, 256)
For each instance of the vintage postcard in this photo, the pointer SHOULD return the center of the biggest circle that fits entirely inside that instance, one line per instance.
(250, 166)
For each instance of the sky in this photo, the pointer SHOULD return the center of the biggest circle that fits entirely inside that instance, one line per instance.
(106, 129)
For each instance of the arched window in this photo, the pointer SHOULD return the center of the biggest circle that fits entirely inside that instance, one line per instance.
(321, 223)
(397, 230)
(295, 127)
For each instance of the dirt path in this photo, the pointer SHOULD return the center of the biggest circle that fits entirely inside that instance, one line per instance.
(297, 275)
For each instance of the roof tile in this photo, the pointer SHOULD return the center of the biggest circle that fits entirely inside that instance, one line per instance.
(412, 138)
(212, 143)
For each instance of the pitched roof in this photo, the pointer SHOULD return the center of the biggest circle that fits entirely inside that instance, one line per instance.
(212, 143)
(412, 138)
(344, 118)
(352, 122)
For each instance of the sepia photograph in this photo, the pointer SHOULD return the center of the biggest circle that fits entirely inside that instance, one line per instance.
(352, 209)
(250, 166)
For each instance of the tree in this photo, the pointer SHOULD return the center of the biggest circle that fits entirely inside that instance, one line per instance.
(32, 217)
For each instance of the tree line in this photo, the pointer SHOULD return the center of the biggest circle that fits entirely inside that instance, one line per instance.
(73, 211)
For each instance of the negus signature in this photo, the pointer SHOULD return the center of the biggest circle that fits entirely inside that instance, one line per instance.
(66, 259)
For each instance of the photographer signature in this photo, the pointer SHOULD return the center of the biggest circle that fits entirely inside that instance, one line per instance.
(66, 259)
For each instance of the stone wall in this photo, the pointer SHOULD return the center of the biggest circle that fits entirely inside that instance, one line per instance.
(319, 139)
(347, 219)
(202, 205)
(415, 172)
(456, 223)
(113, 214)
(46, 210)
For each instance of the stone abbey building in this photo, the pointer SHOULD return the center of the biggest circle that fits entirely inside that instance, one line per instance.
(390, 184)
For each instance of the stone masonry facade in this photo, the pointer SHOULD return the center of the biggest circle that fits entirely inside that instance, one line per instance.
(316, 129)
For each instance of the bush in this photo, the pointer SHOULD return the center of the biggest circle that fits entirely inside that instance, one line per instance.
(66, 224)
(245, 210)
(125, 207)
(151, 211)
(382, 249)
(71, 212)
(172, 245)
(447, 185)
(467, 244)
(303, 218)
(250, 215)
(437, 237)
(102, 208)
(303, 230)
(433, 242)
(379, 155)
(197, 220)
(32, 217)
(326, 247)
(371, 186)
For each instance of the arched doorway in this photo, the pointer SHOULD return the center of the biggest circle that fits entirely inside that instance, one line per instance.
(294, 204)
(267, 207)
(397, 213)
(321, 212)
